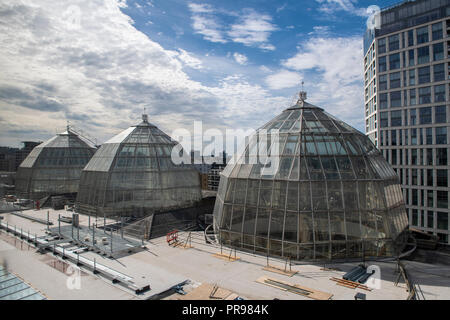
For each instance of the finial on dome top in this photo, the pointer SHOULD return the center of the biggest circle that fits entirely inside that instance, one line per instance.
(301, 95)
(145, 117)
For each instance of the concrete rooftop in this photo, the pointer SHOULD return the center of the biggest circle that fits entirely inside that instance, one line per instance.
(162, 266)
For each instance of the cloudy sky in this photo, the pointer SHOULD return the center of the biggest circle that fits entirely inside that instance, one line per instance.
(231, 64)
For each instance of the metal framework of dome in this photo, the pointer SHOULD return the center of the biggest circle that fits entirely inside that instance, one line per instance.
(54, 166)
(132, 174)
(333, 195)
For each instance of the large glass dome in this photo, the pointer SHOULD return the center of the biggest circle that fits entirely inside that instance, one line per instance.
(333, 195)
(54, 167)
(132, 175)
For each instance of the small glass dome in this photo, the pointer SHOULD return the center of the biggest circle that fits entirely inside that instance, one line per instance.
(333, 195)
(132, 174)
(54, 167)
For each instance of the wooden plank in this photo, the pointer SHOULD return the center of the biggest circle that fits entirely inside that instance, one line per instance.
(307, 292)
(280, 271)
(350, 284)
(231, 296)
(203, 292)
(225, 257)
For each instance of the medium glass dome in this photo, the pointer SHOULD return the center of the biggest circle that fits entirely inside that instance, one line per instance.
(333, 195)
(132, 175)
(54, 167)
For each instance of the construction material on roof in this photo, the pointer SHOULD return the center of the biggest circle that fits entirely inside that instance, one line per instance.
(295, 288)
(207, 291)
(284, 272)
(350, 284)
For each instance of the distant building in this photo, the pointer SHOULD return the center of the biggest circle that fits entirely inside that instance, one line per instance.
(407, 82)
(8, 159)
(214, 173)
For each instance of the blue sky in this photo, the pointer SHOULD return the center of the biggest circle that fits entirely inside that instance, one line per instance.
(232, 64)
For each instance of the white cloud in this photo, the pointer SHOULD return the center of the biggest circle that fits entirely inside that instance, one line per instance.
(200, 8)
(189, 60)
(252, 29)
(102, 73)
(335, 73)
(339, 59)
(248, 27)
(283, 79)
(208, 28)
(320, 31)
(240, 58)
(331, 6)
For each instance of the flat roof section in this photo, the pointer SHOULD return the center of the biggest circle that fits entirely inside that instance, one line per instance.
(14, 288)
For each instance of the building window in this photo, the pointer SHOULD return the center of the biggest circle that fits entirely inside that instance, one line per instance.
(441, 135)
(414, 162)
(396, 118)
(422, 35)
(383, 101)
(410, 38)
(415, 218)
(423, 55)
(383, 119)
(394, 61)
(429, 219)
(382, 45)
(441, 176)
(394, 80)
(382, 64)
(425, 115)
(396, 99)
(393, 43)
(441, 157)
(429, 136)
(436, 30)
(440, 114)
(414, 136)
(442, 220)
(439, 93)
(430, 198)
(424, 75)
(412, 97)
(429, 157)
(412, 77)
(424, 95)
(414, 196)
(411, 57)
(394, 157)
(439, 72)
(442, 200)
(383, 82)
(438, 51)
(429, 177)
(412, 117)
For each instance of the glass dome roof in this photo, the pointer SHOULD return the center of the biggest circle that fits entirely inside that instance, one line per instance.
(132, 175)
(333, 195)
(54, 166)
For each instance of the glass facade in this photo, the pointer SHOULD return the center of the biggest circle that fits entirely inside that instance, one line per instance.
(333, 195)
(132, 174)
(54, 167)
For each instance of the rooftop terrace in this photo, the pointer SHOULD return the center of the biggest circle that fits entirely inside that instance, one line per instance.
(196, 265)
